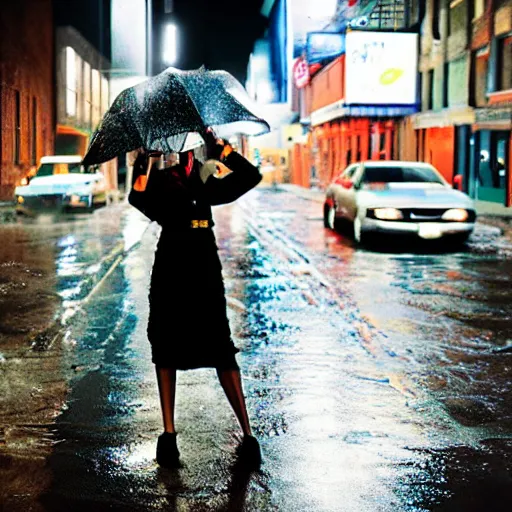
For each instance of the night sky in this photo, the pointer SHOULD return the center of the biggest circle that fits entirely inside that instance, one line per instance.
(217, 33)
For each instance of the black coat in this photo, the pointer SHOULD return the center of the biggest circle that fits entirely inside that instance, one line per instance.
(188, 327)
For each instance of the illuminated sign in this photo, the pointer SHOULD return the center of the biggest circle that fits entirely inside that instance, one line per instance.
(301, 73)
(381, 68)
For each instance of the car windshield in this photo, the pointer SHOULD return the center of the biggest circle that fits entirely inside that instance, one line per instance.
(60, 168)
(400, 174)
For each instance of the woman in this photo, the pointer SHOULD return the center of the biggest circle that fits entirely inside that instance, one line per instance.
(188, 327)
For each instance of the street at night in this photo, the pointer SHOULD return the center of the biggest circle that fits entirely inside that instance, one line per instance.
(256, 256)
(376, 379)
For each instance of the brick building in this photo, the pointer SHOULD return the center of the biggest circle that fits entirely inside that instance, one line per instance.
(465, 125)
(26, 89)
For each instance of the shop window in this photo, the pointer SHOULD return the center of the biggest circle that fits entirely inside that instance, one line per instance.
(492, 174)
(505, 63)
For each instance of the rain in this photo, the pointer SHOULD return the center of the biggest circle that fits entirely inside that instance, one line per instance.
(369, 304)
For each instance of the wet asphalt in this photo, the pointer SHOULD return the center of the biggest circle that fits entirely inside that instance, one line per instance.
(377, 378)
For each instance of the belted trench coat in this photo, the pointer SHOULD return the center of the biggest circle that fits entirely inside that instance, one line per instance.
(188, 325)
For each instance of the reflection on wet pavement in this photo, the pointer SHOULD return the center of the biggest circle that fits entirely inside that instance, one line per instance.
(376, 380)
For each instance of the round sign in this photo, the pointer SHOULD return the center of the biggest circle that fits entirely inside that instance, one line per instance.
(301, 73)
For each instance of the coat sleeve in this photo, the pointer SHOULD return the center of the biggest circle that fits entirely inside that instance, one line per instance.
(152, 201)
(244, 177)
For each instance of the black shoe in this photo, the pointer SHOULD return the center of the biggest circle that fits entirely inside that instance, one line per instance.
(249, 452)
(167, 454)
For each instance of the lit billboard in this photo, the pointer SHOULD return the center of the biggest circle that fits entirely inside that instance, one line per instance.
(381, 68)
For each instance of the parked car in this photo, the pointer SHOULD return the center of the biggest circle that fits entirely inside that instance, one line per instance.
(62, 183)
(398, 197)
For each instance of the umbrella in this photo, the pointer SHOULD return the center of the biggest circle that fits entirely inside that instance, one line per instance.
(161, 113)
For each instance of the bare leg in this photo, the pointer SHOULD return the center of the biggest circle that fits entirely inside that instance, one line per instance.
(167, 388)
(232, 384)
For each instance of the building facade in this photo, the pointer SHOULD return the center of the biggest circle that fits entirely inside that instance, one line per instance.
(351, 114)
(26, 89)
(82, 90)
(465, 124)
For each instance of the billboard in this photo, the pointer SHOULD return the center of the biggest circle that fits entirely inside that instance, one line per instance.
(324, 16)
(381, 68)
(324, 46)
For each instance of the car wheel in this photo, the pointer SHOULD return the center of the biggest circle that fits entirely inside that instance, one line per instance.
(329, 216)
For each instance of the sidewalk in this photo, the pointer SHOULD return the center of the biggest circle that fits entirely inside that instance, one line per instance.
(492, 214)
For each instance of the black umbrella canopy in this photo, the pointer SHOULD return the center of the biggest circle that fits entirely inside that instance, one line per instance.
(159, 113)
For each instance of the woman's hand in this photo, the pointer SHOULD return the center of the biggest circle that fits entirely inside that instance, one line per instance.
(142, 167)
(215, 147)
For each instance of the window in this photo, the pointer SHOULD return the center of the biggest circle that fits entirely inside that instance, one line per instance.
(96, 97)
(17, 128)
(479, 69)
(478, 8)
(430, 89)
(456, 16)
(446, 83)
(70, 82)
(87, 95)
(389, 174)
(505, 63)
(435, 20)
(104, 95)
(34, 131)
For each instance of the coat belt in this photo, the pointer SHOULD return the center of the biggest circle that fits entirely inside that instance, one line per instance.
(200, 223)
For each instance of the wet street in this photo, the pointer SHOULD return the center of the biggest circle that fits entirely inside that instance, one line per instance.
(377, 378)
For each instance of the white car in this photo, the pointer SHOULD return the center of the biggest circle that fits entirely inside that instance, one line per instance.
(61, 183)
(400, 198)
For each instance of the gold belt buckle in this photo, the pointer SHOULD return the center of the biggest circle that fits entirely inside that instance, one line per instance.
(199, 223)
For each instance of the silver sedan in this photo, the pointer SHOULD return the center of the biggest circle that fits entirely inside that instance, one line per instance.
(398, 197)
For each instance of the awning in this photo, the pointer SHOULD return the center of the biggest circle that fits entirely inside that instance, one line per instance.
(339, 109)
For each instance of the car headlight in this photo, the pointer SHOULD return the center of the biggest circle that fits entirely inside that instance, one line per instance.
(388, 214)
(456, 215)
(21, 199)
(24, 182)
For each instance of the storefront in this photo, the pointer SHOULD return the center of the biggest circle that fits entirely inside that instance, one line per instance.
(492, 156)
(356, 103)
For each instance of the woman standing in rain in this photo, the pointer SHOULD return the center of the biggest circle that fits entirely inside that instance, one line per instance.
(188, 327)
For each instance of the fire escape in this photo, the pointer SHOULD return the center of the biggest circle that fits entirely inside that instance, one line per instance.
(382, 14)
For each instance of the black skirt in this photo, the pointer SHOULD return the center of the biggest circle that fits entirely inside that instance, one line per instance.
(188, 326)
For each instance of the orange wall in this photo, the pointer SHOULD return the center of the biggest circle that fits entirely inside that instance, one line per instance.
(328, 85)
(440, 149)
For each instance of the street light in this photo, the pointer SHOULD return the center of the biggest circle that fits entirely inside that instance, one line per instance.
(169, 54)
